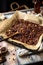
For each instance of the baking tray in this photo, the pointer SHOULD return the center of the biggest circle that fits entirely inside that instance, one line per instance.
(33, 58)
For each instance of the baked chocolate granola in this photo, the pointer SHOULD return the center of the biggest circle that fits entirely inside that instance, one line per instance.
(28, 32)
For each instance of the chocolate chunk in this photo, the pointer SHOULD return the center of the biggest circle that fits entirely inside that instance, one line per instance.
(13, 59)
(2, 59)
(13, 54)
(4, 51)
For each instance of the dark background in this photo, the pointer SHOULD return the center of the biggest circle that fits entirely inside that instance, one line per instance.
(5, 4)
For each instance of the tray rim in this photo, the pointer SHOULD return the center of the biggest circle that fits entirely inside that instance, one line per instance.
(24, 10)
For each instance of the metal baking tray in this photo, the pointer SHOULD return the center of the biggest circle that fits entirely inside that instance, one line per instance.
(29, 59)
